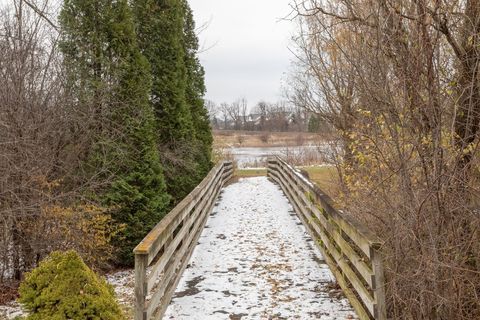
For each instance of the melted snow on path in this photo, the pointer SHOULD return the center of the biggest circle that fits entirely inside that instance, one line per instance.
(255, 261)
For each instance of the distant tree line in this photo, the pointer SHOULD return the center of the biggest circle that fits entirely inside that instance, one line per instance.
(280, 117)
(103, 127)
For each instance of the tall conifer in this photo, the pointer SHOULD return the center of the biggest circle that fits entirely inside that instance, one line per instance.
(160, 34)
(110, 80)
(176, 92)
(195, 91)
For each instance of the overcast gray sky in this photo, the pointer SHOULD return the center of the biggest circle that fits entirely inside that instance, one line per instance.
(246, 47)
(247, 54)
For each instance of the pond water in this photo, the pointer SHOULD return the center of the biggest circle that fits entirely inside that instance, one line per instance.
(257, 157)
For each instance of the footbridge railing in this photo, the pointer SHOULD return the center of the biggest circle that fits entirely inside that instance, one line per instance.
(350, 250)
(163, 254)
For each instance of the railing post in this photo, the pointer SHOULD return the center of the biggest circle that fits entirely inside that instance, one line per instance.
(330, 226)
(227, 164)
(269, 158)
(379, 290)
(141, 263)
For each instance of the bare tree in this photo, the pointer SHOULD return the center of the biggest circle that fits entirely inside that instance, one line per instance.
(213, 111)
(235, 113)
(212, 108)
(243, 104)
(225, 113)
(42, 139)
(399, 83)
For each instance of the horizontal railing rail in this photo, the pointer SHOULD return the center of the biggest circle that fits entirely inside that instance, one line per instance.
(161, 257)
(350, 250)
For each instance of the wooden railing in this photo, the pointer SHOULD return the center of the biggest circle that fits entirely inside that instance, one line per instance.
(350, 250)
(163, 254)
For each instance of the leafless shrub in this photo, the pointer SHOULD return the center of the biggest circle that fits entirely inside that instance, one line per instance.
(265, 137)
(305, 156)
(300, 140)
(399, 82)
(42, 140)
(240, 139)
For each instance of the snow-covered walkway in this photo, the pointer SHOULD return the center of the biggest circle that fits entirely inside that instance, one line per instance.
(255, 261)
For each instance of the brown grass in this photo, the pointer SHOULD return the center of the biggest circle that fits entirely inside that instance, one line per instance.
(247, 173)
(8, 292)
(325, 177)
(251, 139)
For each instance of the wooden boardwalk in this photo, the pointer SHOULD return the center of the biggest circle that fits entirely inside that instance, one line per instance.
(255, 260)
(248, 270)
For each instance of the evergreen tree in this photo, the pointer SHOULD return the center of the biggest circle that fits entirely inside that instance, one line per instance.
(195, 92)
(176, 92)
(160, 34)
(314, 124)
(110, 80)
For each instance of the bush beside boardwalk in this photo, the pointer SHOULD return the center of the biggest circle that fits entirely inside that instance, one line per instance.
(63, 287)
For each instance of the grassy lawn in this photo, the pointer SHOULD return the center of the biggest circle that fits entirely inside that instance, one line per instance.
(246, 173)
(257, 139)
(325, 177)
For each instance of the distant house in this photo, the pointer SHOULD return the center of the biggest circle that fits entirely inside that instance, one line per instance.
(255, 118)
(272, 120)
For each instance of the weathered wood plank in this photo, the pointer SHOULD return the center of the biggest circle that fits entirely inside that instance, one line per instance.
(379, 290)
(193, 212)
(167, 254)
(198, 202)
(356, 231)
(140, 286)
(329, 227)
(160, 298)
(152, 243)
(356, 304)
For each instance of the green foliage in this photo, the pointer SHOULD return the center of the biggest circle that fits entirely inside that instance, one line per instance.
(63, 287)
(167, 38)
(194, 94)
(314, 124)
(160, 35)
(310, 197)
(140, 199)
(110, 80)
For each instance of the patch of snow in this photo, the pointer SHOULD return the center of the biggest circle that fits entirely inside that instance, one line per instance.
(123, 283)
(11, 311)
(256, 261)
(254, 168)
(301, 176)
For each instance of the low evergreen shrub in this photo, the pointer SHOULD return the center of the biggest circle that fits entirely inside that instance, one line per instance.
(63, 287)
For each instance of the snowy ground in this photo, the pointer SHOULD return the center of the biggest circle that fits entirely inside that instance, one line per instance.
(123, 283)
(11, 311)
(255, 261)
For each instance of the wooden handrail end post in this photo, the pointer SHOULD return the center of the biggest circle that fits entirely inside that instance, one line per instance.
(379, 288)
(141, 264)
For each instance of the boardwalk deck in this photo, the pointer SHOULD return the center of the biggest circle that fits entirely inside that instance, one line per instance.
(255, 261)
